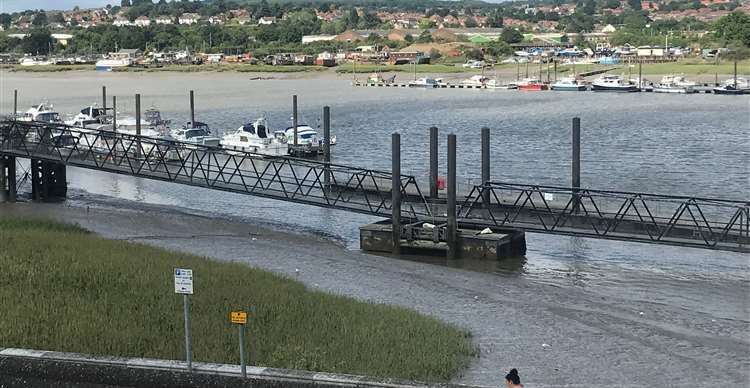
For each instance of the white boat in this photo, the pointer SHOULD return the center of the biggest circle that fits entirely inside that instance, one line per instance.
(88, 117)
(568, 84)
(257, 138)
(195, 133)
(475, 81)
(734, 86)
(424, 83)
(108, 64)
(31, 61)
(613, 83)
(42, 112)
(674, 84)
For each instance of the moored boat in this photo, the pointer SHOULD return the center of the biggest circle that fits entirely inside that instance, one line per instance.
(613, 83)
(568, 84)
(424, 82)
(734, 86)
(42, 112)
(674, 84)
(257, 138)
(531, 84)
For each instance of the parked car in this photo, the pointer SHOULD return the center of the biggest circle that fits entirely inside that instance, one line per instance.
(473, 65)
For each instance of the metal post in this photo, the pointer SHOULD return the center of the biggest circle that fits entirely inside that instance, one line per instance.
(192, 109)
(640, 74)
(188, 354)
(396, 191)
(3, 187)
(294, 117)
(242, 351)
(104, 98)
(114, 113)
(451, 211)
(11, 177)
(138, 124)
(576, 170)
(15, 103)
(486, 164)
(433, 162)
(327, 146)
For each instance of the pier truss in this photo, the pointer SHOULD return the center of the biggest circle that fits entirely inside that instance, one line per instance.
(661, 219)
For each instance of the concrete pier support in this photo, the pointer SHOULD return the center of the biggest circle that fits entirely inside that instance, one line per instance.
(575, 180)
(452, 226)
(486, 164)
(327, 147)
(433, 162)
(396, 192)
(48, 180)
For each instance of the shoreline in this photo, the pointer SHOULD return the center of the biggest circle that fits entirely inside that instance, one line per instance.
(542, 328)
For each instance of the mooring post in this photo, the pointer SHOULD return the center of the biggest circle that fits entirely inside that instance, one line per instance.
(192, 108)
(3, 186)
(104, 99)
(451, 211)
(15, 103)
(576, 170)
(294, 117)
(138, 124)
(114, 113)
(433, 162)
(640, 74)
(396, 192)
(327, 147)
(11, 178)
(485, 165)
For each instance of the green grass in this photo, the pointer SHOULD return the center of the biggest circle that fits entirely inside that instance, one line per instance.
(48, 68)
(687, 67)
(235, 67)
(62, 288)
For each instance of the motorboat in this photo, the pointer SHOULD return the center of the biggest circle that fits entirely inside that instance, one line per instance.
(152, 117)
(195, 133)
(108, 64)
(613, 83)
(568, 84)
(734, 86)
(42, 112)
(424, 83)
(476, 81)
(256, 137)
(31, 61)
(674, 84)
(90, 116)
(531, 84)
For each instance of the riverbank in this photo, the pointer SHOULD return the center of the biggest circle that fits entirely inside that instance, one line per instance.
(107, 297)
(622, 324)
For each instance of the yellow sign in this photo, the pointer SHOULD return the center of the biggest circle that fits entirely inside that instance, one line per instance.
(238, 317)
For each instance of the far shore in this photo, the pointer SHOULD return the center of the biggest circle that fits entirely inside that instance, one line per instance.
(699, 71)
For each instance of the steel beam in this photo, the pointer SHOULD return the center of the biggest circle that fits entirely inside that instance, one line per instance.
(192, 108)
(433, 162)
(575, 180)
(396, 192)
(295, 121)
(11, 178)
(452, 224)
(486, 163)
(327, 146)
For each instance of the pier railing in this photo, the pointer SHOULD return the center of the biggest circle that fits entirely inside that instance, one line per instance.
(304, 181)
(665, 219)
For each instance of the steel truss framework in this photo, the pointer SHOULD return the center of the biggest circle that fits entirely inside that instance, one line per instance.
(297, 180)
(664, 219)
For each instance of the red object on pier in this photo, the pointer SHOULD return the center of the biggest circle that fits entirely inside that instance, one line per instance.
(441, 183)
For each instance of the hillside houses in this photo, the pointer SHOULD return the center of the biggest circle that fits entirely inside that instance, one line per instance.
(188, 18)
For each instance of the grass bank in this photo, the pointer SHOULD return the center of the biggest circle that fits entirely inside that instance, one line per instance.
(62, 288)
(687, 67)
(371, 68)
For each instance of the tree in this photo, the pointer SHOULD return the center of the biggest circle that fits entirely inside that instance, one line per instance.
(511, 35)
(498, 48)
(5, 20)
(635, 4)
(125, 3)
(38, 42)
(425, 37)
(470, 23)
(426, 24)
(734, 27)
(611, 4)
(40, 19)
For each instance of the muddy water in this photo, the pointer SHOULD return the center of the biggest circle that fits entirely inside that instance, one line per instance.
(573, 310)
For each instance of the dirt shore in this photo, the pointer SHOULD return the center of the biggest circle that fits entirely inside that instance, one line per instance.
(556, 335)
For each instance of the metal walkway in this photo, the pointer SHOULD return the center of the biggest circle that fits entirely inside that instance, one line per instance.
(661, 219)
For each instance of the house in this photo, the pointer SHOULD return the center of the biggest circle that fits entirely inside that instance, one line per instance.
(303, 59)
(404, 57)
(242, 20)
(267, 20)
(164, 20)
(650, 51)
(325, 59)
(608, 29)
(649, 6)
(142, 21)
(63, 39)
(121, 21)
(348, 36)
(23, 23)
(188, 18)
(217, 20)
(129, 53)
(317, 38)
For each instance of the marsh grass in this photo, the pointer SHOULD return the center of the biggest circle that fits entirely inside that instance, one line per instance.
(62, 288)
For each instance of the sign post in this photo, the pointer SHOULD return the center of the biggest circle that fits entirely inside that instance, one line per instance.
(239, 318)
(183, 284)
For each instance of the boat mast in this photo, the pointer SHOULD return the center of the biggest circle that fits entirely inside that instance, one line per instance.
(735, 73)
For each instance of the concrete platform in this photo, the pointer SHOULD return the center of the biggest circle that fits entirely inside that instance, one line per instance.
(418, 240)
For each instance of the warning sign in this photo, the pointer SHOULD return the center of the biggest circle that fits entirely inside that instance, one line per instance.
(238, 317)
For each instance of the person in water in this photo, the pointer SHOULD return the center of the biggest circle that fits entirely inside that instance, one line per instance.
(512, 380)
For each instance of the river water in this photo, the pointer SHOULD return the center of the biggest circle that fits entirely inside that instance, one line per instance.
(671, 144)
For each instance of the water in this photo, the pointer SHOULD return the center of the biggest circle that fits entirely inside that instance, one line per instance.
(672, 144)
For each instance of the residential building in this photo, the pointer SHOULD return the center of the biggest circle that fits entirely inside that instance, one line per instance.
(122, 21)
(317, 38)
(217, 20)
(142, 21)
(189, 18)
(267, 20)
(164, 20)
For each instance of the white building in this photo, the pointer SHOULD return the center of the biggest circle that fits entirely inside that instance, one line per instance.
(266, 20)
(189, 18)
(164, 20)
(317, 38)
(143, 21)
(217, 20)
(121, 22)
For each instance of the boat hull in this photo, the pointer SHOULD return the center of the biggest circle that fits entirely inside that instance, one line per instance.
(620, 89)
(731, 92)
(569, 88)
(532, 87)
